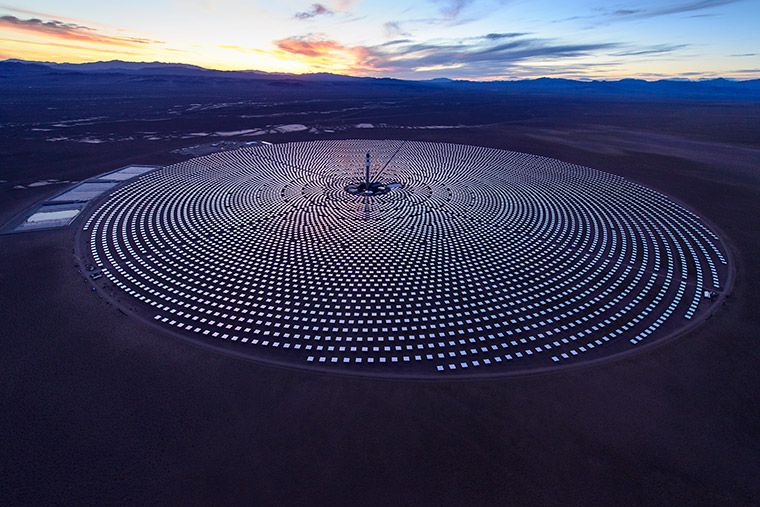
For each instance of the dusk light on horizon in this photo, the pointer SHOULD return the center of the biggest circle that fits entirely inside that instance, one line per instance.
(457, 39)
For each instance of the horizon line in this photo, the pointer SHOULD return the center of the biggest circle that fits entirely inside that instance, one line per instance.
(355, 76)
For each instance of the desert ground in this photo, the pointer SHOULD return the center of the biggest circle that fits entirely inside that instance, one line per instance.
(100, 408)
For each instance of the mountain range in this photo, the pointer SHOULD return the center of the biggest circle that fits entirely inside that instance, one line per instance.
(32, 74)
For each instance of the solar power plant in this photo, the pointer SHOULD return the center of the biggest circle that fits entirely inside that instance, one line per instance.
(474, 261)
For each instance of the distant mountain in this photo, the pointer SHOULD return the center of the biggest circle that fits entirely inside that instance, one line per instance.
(702, 89)
(112, 65)
(120, 73)
(179, 69)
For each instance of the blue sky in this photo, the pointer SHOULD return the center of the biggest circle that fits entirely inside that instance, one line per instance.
(472, 39)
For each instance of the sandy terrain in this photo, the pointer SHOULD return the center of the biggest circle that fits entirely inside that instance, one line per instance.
(100, 408)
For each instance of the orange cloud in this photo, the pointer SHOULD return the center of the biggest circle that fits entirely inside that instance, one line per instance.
(49, 44)
(69, 31)
(311, 48)
(325, 54)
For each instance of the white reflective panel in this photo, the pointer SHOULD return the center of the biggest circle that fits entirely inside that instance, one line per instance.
(536, 261)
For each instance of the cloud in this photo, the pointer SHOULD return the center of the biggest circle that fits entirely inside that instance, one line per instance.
(393, 29)
(510, 35)
(70, 31)
(485, 55)
(654, 50)
(314, 11)
(569, 70)
(49, 44)
(309, 46)
(394, 42)
(457, 12)
(692, 8)
(451, 9)
(38, 14)
(327, 55)
(678, 8)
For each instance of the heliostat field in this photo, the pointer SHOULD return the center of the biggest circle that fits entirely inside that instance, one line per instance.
(472, 260)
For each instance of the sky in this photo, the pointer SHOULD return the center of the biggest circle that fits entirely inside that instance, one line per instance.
(422, 39)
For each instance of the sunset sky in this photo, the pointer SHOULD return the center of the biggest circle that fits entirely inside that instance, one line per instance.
(467, 39)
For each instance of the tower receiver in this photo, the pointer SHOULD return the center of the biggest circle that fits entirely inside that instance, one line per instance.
(367, 187)
(366, 172)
